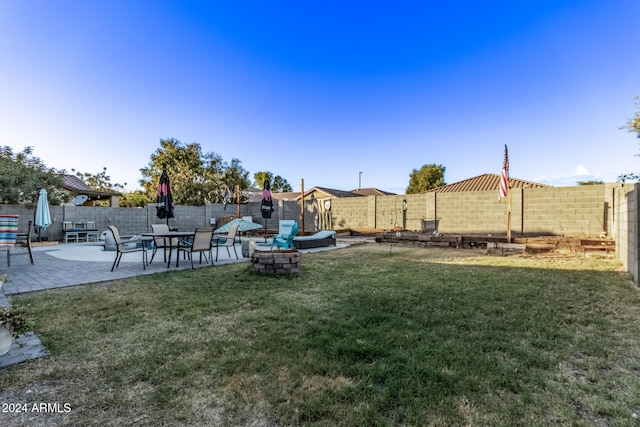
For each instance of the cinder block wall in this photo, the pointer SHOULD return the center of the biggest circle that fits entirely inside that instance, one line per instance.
(566, 210)
(416, 211)
(580, 210)
(389, 212)
(570, 211)
(350, 212)
(475, 212)
(626, 205)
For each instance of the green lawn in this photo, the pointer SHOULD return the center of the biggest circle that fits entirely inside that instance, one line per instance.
(364, 336)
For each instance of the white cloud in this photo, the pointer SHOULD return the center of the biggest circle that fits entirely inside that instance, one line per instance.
(582, 170)
(581, 173)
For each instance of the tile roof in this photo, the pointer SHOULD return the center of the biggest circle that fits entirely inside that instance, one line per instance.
(486, 182)
(331, 192)
(75, 184)
(372, 192)
(334, 192)
(72, 182)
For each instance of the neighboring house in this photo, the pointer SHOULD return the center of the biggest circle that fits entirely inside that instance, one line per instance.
(292, 195)
(255, 195)
(486, 182)
(76, 188)
(252, 194)
(372, 192)
(325, 193)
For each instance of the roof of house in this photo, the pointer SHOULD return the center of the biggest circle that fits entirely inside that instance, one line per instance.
(486, 182)
(372, 192)
(290, 195)
(75, 184)
(253, 194)
(332, 192)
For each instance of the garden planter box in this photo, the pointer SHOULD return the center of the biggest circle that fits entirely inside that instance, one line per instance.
(276, 262)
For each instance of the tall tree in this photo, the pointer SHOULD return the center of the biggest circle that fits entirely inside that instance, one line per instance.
(196, 178)
(426, 178)
(633, 126)
(102, 182)
(99, 181)
(234, 176)
(135, 199)
(260, 177)
(22, 175)
(278, 183)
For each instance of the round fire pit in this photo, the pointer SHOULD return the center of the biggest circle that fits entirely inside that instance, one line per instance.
(276, 262)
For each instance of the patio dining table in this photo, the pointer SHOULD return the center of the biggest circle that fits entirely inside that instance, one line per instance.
(168, 236)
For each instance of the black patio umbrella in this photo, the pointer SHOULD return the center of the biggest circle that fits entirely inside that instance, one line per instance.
(164, 201)
(266, 207)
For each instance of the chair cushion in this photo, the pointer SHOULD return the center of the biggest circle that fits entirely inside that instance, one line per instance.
(323, 234)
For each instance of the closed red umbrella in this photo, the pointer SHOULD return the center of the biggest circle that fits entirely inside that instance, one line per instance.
(266, 207)
(164, 201)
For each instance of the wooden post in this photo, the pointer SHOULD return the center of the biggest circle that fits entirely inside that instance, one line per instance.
(509, 217)
(302, 208)
(522, 211)
(435, 211)
(238, 192)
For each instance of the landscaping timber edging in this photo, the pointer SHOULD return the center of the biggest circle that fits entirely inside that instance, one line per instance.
(531, 245)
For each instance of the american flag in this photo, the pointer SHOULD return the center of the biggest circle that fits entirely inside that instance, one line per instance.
(504, 176)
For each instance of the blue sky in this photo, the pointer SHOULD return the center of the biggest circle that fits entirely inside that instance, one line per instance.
(325, 90)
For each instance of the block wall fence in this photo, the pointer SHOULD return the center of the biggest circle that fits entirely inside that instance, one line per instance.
(578, 211)
(569, 211)
(626, 218)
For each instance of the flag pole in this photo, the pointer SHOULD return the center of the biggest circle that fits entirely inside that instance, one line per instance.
(504, 190)
(302, 206)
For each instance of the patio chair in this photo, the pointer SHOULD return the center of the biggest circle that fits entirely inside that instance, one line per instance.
(284, 228)
(285, 242)
(121, 249)
(202, 243)
(228, 241)
(161, 242)
(20, 245)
